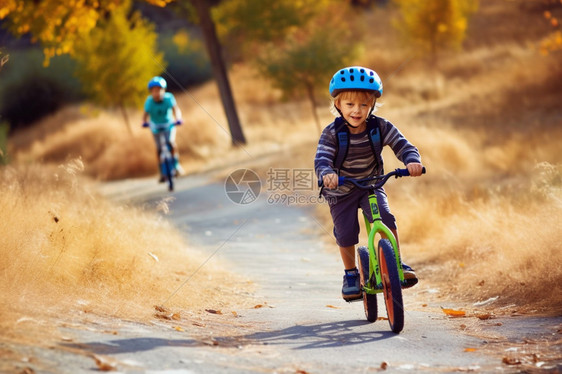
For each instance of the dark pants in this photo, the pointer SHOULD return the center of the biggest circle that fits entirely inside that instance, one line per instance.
(344, 215)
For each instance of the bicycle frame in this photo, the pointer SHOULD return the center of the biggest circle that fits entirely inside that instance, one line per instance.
(378, 227)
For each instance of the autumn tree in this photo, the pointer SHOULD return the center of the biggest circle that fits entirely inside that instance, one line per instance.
(283, 38)
(434, 25)
(303, 66)
(117, 58)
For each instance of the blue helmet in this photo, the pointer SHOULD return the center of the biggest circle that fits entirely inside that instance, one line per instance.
(356, 78)
(157, 82)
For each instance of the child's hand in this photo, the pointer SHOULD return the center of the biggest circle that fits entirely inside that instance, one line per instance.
(415, 169)
(330, 181)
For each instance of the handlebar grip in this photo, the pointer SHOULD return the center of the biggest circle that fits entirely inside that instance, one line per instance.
(341, 180)
(406, 173)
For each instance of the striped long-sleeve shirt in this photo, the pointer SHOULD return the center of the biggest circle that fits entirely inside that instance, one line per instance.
(360, 161)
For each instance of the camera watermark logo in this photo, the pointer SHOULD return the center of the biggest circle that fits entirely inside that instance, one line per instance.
(284, 187)
(242, 186)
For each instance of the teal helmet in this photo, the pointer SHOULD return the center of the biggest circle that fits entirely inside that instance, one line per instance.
(356, 78)
(157, 82)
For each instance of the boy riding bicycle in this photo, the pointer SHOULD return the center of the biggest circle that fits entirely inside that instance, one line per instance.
(164, 115)
(347, 146)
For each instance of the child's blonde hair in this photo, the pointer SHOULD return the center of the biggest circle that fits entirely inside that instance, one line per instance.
(367, 96)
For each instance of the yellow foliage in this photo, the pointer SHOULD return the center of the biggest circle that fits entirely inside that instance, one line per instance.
(181, 40)
(432, 25)
(551, 43)
(117, 58)
(7, 6)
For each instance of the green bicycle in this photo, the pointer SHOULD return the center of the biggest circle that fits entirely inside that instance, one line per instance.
(380, 267)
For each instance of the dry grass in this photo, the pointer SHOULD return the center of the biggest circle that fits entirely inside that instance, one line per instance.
(67, 251)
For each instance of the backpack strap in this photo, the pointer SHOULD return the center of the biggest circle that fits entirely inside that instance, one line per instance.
(342, 139)
(373, 126)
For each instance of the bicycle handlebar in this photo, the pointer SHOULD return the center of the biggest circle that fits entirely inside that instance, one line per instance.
(364, 182)
(176, 123)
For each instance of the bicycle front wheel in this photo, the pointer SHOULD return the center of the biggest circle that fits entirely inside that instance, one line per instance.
(169, 172)
(392, 289)
(369, 300)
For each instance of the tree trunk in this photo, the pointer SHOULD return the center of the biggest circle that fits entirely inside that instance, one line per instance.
(312, 98)
(126, 118)
(219, 71)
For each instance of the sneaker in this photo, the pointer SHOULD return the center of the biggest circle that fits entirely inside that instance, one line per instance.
(351, 289)
(409, 276)
(162, 179)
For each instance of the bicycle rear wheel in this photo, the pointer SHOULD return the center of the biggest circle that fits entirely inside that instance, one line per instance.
(369, 300)
(391, 284)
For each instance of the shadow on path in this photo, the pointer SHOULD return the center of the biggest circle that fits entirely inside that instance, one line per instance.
(305, 336)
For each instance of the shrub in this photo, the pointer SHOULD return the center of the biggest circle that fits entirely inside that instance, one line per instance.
(25, 101)
(28, 91)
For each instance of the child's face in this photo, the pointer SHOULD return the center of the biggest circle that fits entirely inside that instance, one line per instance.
(157, 93)
(355, 107)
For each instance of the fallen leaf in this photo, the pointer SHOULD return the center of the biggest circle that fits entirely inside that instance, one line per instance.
(162, 309)
(384, 365)
(213, 311)
(104, 364)
(424, 305)
(333, 307)
(176, 316)
(511, 361)
(453, 312)
(470, 349)
(234, 314)
(382, 319)
(199, 324)
(178, 328)
(258, 306)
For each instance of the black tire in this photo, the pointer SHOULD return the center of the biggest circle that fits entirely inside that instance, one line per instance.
(392, 289)
(169, 170)
(369, 300)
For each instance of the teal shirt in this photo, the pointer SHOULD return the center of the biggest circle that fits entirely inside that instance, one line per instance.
(160, 112)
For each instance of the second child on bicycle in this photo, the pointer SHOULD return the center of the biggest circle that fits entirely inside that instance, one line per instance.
(164, 114)
(354, 92)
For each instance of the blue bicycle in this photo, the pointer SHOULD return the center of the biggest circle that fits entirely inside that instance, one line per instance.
(167, 161)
